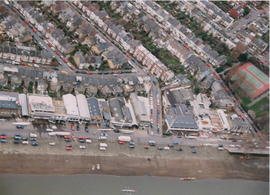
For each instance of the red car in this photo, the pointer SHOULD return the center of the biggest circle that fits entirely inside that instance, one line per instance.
(68, 148)
(3, 137)
(146, 147)
(121, 142)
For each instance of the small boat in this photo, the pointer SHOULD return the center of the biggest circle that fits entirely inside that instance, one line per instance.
(93, 167)
(128, 190)
(187, 178)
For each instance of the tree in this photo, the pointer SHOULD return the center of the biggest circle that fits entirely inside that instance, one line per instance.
(219, 69)
(197, 90)
(243, 57)
(246, 11)
(30, 87)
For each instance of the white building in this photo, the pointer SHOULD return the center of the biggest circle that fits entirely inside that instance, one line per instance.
(71, 107)
(141, 108)
(83, 107)
(41, 106)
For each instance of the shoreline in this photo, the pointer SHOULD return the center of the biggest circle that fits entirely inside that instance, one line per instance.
(123, 165)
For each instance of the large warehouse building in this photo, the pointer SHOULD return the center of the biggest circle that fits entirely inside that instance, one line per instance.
(252, 81)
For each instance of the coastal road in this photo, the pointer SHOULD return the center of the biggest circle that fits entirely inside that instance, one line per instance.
(138, 136)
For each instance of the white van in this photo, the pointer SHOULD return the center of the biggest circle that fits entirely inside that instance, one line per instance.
(33, 135)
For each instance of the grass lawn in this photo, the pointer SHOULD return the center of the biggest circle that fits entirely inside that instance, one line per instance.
(261, 107)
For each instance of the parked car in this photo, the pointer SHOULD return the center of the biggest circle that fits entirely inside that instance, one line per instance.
(160, 148)
(52, 143)
(68, 148)
(89, 141)
(3, 141)
(33, 135)
(179, 149)
(25, 142)
(19, 126)
(82, 147)
(24, 139)
(104, 134)
(166, 148)
(17, 137)
(32, 139)
(49, 130)
(82, 140)
(102, 138)
(146, 147)
(131, 146)
(193, 151)
(170, 145)
(152, 143)
(16, 142)
(34, 143)
(121, 142)
(3, 136)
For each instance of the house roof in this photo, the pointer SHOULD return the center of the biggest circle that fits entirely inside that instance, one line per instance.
(180, 117)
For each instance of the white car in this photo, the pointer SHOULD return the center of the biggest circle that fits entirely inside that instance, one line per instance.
(89, 141)
(25, 142)
(102, 148)
(49, 130)
(52, 143)
(102, 138)
(54, 127)
(166, 148)
(82, 147)
(33, 135)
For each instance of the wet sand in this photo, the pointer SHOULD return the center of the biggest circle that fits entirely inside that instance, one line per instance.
(219, 165)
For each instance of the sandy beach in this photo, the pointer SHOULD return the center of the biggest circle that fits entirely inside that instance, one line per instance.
(120, 160)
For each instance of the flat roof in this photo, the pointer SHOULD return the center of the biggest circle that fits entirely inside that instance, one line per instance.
(70, 103)
(82, 106)
(41, 103)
